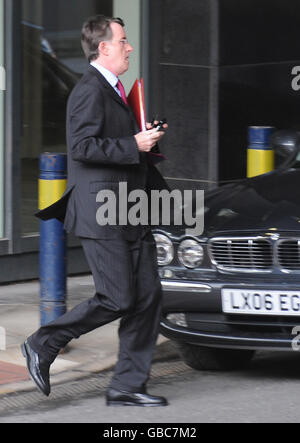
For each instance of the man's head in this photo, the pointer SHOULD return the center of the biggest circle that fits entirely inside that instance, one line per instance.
(104, 40)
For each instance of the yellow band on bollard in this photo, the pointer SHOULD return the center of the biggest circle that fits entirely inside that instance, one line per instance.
(50, 191)
(260, 161)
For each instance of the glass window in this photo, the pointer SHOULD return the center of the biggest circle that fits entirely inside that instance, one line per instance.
(52, 63)
(2, 92)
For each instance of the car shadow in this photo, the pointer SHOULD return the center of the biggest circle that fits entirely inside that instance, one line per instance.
(274, 365)
(265, 364)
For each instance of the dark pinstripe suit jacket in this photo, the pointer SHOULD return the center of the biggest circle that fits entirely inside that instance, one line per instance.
(101, 153)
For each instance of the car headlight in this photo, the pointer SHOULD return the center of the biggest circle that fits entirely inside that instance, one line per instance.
(165, 249)
(190, 253)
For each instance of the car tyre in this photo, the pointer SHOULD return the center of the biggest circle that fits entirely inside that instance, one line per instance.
(214, 359)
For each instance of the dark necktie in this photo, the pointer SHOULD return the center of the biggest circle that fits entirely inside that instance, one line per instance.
(122, 92)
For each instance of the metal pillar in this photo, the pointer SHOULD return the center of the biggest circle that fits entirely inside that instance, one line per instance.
(52, 184)
(260, 154)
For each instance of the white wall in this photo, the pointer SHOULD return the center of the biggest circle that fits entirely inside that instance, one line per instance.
(130, 12)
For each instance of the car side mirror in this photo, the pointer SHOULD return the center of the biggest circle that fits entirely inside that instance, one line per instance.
(286, 143)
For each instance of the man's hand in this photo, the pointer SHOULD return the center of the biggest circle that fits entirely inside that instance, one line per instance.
(147, 139)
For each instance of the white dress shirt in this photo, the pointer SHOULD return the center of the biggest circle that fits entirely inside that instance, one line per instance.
(109, 76)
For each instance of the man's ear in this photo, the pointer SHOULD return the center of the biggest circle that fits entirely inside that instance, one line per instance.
(103, 48)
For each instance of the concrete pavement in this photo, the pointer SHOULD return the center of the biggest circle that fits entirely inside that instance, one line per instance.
(20, 316)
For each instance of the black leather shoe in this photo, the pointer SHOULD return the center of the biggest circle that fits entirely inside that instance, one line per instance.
(124, 398)
(37, 367)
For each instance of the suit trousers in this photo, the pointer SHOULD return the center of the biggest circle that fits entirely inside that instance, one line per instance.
(128, 287)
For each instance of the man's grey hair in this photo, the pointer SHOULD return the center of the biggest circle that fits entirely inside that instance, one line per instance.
(95, 30)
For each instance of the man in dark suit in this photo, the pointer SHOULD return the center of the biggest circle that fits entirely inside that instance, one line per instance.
(105, 147)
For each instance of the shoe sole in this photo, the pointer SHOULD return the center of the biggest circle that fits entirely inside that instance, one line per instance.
(127, 403)
(27, 358)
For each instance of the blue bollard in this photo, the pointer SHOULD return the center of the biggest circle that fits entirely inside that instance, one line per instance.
(52, 184)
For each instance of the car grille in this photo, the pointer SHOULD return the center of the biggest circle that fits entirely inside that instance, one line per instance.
(288, 253)
(242, 254)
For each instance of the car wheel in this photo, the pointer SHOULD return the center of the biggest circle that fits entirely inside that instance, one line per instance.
(214, 359)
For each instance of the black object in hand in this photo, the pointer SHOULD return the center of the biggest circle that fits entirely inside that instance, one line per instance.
(160, 124)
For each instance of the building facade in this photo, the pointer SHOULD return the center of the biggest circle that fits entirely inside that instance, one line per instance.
(211, 67)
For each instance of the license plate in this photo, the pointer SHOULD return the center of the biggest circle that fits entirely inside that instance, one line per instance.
(245, 301)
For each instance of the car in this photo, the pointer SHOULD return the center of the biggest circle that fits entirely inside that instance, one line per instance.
(235, 289)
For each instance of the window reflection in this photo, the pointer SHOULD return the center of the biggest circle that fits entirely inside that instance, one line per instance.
(2, 116)
(52, 63)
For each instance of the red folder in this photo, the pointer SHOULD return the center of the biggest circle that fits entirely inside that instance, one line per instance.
(136, 100)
